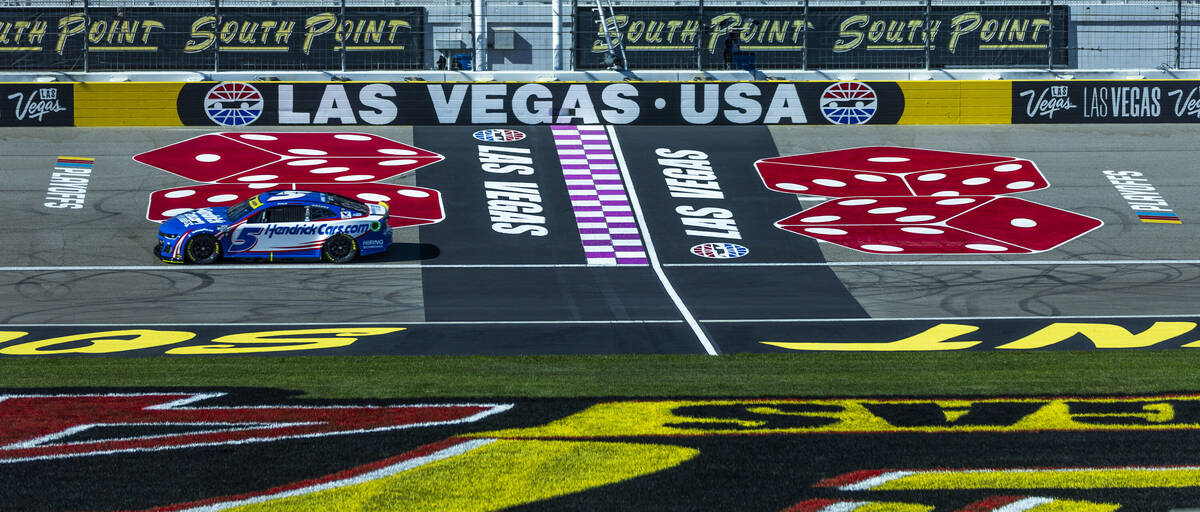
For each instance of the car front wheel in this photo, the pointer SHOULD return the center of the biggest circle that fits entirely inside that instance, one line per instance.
(203, 249)
(339, 248)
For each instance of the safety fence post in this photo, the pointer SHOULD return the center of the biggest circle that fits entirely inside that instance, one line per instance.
(804, 39)
(1050, 41)
(1178, 33)
(87, 23)
(341, 20)
(925, 27)
(700, 39)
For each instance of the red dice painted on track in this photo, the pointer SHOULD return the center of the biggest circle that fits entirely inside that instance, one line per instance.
(288, 157)
(408, 206)
(898, 171)
(940, 225)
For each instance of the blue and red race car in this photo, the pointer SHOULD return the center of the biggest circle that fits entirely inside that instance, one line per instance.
(275, 225)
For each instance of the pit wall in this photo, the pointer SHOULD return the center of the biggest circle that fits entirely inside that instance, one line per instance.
(248, 104)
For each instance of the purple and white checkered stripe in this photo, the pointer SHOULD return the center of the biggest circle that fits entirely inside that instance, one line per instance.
(602, 210)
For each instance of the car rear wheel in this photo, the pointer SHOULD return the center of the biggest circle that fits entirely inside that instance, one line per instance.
(339, 248)
(203, 249)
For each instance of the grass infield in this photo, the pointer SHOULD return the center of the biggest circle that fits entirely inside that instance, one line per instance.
(794, 375)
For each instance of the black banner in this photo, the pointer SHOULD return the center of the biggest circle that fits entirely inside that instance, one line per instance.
(194, 38)
(1140, 101)
(830, 37)
(37, 105)
(219, 448)
(535, 103)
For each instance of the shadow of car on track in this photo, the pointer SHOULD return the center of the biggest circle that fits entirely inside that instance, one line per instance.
(397, 253)
(400, 251)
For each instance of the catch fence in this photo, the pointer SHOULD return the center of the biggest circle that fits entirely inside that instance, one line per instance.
(410, 35)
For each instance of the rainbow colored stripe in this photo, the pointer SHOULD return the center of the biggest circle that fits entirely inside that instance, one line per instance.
(1158, 217)
(75, 162)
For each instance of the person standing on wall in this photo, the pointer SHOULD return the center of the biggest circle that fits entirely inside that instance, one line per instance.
(733, 41)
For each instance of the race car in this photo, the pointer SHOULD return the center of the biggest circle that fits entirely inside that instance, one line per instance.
(277, 225)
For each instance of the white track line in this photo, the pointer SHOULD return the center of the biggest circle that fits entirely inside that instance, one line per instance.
(964, 263)
(649, 242)
(388, 266)
(281, 266)
(944, 318)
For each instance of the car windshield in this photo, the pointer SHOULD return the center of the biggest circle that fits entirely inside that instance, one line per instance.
(240, 210)
(346, 203)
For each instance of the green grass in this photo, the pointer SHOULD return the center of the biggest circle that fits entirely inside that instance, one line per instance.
(808, 375)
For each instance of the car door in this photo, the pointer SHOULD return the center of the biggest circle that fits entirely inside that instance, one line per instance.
(279, 228)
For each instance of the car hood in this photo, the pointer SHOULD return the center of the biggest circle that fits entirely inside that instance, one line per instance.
(204, 218)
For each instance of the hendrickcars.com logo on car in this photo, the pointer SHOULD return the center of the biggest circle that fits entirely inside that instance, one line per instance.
(316, 229)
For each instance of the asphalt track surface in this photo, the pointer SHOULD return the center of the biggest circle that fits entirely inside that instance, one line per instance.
(463, 287)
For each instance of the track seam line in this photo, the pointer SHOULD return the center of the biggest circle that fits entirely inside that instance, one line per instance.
(620, 322)
(364, 322)
(651, 253)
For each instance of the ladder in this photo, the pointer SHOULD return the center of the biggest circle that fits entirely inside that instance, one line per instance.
(615, 54)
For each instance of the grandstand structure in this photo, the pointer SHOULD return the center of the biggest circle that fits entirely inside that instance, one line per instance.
(116, 40)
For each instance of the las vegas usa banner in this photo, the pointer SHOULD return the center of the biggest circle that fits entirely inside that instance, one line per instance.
(361, 103)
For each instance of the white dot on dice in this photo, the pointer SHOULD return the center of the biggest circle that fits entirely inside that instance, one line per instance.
(1023, 223)
(307, 152)
(881, 248)
(986, 247)
(307, 162)
(826, 231)
(870, 178)
(388, 163)
(829, 183)
(258, 177)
